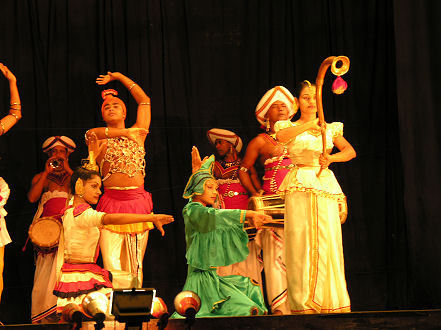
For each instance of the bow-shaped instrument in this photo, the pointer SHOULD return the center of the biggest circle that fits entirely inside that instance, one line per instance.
(339, 66)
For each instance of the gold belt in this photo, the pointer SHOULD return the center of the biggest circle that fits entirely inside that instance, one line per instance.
(234, 193)
(79, 261)
(305, 165)
(287, 167)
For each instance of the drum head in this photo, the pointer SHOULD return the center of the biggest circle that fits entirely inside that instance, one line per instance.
(273, 205)
(45, 232)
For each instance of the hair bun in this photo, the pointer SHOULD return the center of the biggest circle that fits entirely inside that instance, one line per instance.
(106, 92)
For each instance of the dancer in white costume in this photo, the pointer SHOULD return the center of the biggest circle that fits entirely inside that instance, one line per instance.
(50, 188)
(313, 241)
(78, 273)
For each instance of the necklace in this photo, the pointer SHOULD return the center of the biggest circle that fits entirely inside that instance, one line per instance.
(58, 178)
(233, 177)
(229, 164)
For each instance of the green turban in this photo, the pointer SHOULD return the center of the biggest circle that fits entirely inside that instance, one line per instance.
(196, 183)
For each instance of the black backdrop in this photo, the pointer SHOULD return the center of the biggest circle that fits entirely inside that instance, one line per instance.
(207, 64)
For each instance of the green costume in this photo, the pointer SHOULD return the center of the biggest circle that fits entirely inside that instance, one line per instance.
(215, 237)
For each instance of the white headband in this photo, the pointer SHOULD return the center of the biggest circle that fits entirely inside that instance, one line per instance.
(223, 134)
(278, 93)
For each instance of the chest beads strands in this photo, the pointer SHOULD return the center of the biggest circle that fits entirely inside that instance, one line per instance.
(228, 192)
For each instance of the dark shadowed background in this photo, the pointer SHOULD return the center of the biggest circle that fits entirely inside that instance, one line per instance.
(207, 64)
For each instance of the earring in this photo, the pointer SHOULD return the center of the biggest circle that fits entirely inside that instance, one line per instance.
(79, 188)
(268, 126)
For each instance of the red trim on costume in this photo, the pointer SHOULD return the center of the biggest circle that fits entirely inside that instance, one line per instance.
(77, 288)
(335, 309)
(280, 299)
(318, 255)
(46, 313)
(80, 209)
(268, 138)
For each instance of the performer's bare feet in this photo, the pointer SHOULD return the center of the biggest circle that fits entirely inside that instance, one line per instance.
(277, 312)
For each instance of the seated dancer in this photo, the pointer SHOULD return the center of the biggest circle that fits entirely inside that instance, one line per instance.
(228, 146)
(276, 104)
(6, 124)
(122, 166)
(51, 187)
(79, 274)
(215, 237)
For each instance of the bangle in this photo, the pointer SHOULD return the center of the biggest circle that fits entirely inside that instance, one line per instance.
(144, 103)
(15, 116)
(243, 169)
(3, 128)
(15, 108)
(16, 103)
(131, 86)
(106, 132)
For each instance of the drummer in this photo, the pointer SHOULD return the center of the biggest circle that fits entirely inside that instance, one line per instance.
(277, 104)
(234, 196)
(50, 188)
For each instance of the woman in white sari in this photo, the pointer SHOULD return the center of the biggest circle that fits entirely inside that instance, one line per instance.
(313, 242)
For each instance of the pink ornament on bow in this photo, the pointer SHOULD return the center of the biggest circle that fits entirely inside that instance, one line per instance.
(339, 86)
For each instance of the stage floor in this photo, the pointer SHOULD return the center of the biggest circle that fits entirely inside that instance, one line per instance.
(408, 319)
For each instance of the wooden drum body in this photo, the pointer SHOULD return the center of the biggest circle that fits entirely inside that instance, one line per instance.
(45, 234)
(273, 205)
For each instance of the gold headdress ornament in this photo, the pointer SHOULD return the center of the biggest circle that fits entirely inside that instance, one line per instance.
(308, 83)
(79, 187)
(90, 162)
(90, 165)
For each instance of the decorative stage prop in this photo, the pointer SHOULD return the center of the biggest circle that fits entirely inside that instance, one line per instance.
(339, 66)
(187, 304)
(95, 306)
(72, 314)
(160, 311)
